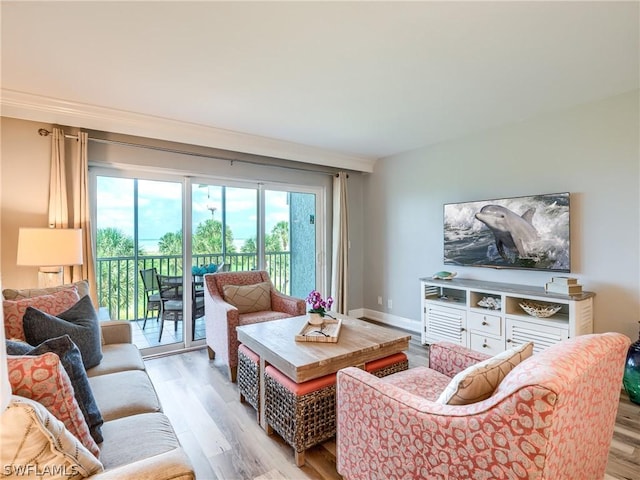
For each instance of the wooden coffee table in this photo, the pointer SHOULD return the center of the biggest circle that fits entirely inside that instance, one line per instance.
(359, 342)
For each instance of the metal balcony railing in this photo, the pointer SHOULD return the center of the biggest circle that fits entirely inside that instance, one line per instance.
(120, 285)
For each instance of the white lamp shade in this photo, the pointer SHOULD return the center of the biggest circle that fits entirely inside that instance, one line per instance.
(49, 247)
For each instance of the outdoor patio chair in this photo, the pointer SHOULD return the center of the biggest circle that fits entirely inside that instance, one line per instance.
(152, 292)
(171, 295)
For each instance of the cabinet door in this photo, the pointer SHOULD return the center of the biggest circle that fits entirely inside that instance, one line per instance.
(443, 323)
(543, 336)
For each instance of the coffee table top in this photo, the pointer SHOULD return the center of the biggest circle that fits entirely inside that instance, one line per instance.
(359, 342)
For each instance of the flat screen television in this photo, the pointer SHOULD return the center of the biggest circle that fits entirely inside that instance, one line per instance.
(520, 232)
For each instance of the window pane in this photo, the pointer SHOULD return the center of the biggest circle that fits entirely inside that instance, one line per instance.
(241, 220)
(290, 236)
(115, 247)
(207, 245)
(139, 226)
(160, 224)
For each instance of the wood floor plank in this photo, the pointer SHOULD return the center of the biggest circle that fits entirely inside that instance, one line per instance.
(225, 442)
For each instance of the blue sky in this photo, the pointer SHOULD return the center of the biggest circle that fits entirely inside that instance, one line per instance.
(160, 211)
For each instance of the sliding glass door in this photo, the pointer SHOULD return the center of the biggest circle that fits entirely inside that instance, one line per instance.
(139, 229)
(274, 230)
(233, 226)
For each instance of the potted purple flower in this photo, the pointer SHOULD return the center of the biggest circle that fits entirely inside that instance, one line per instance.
(319, 307)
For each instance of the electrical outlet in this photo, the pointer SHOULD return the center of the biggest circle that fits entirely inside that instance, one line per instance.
(389, 304)
(379, 300)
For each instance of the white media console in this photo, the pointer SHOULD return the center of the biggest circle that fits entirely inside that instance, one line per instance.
(451, 312)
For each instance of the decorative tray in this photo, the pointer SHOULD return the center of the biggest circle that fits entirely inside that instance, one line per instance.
(326, 332)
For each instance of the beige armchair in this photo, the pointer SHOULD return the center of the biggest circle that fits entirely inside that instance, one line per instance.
(241, 298)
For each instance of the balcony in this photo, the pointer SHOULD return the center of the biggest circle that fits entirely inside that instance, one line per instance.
(120, 287)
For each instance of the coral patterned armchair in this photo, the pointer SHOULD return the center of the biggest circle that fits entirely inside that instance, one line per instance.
(241, 298)
(550, 418)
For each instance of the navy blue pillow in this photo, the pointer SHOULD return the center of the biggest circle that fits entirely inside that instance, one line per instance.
(71, 360)
(80, 322)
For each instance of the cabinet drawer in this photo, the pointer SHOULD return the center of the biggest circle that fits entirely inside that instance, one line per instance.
(481, 322)
(488, 345)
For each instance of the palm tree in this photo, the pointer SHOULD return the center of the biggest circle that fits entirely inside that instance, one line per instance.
(171, 243)
(114, 277)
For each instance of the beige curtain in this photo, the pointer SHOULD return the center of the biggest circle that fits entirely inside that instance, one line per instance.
(75, 212)
(80, 214)
(340, 258)
(58, 206)
(58, 210)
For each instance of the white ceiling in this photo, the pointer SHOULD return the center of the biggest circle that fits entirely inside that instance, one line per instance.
(343, 81)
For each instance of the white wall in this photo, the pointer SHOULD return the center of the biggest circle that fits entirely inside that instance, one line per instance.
(25, 193)
(591, 151)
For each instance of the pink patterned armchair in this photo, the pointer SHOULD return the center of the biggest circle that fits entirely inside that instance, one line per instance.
(222, 317)
(550, 418)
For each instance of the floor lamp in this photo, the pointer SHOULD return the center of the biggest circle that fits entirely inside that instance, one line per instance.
(50, 249)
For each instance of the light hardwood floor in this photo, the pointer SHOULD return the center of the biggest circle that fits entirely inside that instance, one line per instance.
(224, 440)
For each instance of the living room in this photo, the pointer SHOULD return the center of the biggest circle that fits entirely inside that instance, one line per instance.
(567, 123)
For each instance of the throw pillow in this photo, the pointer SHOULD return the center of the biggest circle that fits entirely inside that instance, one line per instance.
(44, 380)
(80, 322)
(479, 381)
(53, 304)
(248, 298)
(71, 359)
(11, 294)
(35, 444)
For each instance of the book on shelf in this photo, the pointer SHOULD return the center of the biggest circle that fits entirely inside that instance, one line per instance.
(553, 287)
(565, 280)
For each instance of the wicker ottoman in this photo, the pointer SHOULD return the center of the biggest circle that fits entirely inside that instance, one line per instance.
(387, 365)
(248, 377)
(304, 414)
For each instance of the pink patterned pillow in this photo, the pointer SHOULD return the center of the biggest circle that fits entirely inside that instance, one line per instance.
(43, 378)
(52, 304)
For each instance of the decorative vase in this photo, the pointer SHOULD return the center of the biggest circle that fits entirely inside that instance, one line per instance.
(315, 318)
(631, 378)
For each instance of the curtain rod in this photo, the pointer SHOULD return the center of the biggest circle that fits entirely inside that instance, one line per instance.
(43, 132)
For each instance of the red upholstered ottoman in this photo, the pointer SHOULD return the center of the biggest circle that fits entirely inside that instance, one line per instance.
(386, 366)
(304, 414)
(248, 377)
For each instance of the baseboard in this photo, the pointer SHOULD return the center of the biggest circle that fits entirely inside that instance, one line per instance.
(386, 318)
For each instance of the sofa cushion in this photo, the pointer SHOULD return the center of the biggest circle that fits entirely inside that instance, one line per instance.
(80, 322)
(479, 381)
(71, 359)
(136, 437)
(248, 298)
(256, 317)
(11, 294)
(125, 393)
(44, 379)
(422, 381)
(54, 304)
(117, 357)
(31, 437)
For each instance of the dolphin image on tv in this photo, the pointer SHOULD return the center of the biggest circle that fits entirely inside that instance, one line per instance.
(510, 230)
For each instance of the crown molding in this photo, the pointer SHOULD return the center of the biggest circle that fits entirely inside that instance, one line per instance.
(39, 108)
